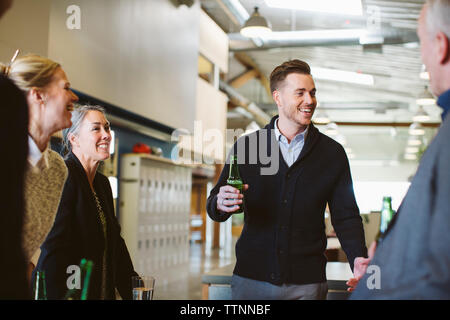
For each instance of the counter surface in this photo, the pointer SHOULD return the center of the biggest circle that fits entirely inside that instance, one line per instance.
(216, 283)
(335, 271)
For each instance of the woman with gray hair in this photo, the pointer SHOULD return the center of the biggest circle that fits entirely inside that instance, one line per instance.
(85, 225)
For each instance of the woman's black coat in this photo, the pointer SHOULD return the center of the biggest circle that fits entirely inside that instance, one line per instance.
(77, 233)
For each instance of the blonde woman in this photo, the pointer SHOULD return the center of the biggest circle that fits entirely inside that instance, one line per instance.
(50, 102)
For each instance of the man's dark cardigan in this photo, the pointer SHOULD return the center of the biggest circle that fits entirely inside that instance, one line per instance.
(283, 239)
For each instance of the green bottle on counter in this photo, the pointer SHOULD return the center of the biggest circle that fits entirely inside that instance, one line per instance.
(234, 179)
(40, 289)
(385, 217)
(85, 276)
(88, 264)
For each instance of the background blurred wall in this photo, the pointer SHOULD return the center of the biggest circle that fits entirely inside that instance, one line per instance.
(140, 55)
(26, 27)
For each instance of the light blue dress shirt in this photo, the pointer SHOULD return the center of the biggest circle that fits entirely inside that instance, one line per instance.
(290, 151)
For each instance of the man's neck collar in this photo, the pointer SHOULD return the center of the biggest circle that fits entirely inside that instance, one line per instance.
(444, 102)
(278, 132)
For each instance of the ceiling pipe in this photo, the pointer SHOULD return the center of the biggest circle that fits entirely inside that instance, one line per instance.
(236, 14)
(258, 114)
(293, 39)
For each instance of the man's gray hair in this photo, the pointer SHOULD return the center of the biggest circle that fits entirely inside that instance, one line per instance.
(78, 115)
(438, 16)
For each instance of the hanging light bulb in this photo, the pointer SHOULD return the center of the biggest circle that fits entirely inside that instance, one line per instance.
(412, 149)
(421, 115)
(424, 74)
(414, 141)
(321, 117)
(256, 26)
(416, 129)
(410, 156)
(425, 98)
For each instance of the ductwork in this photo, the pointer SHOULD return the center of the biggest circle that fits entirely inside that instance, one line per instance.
(339, 37)
(292, 39)
(235, 13)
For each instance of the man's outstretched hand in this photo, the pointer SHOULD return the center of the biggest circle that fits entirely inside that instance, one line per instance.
(360, 267)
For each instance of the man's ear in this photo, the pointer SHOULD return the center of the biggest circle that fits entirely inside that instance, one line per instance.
(443, 47)
(276, 97)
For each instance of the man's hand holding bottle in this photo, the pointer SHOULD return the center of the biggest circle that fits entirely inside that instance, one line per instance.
(229, 199)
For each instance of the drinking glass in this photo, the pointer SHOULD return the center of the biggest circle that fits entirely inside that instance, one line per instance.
(143, 287)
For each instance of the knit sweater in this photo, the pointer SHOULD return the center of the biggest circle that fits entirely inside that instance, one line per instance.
(283, 239)
(43, 188)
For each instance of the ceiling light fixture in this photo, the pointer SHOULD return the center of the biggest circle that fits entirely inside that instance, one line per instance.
(421, 115)
(414, 141)
(349, 7)
(412, 149)
(256, 26)
(424, 74)
(342, 76)
(321, 117)
(409, 156)
(425, 98)
(416, 129)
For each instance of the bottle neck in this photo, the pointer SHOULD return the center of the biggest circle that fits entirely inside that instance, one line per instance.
(87, 276)
(234, 171)
(387, 204)
(40, 289)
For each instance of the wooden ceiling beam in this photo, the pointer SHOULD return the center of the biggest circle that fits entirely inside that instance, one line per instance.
(249, 63)
(243, 78)
(232, 104)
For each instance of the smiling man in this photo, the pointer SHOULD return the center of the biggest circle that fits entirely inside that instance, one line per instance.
(280, 253)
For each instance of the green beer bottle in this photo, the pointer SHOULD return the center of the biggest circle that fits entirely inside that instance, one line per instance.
(40, 289)
(385, 217)
(88, 264)
(234, 179)
(85, 276)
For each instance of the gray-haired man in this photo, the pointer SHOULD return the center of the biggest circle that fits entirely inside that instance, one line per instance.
(413, 259)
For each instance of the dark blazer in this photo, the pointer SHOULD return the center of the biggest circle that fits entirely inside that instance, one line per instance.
(14, 144)
(77, 233)
(413, 259)
(283, 239)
